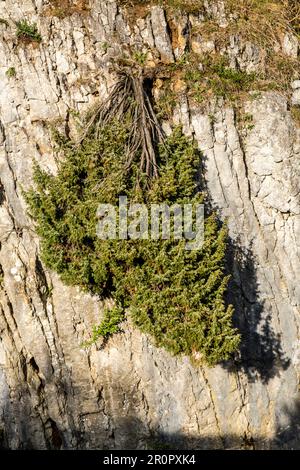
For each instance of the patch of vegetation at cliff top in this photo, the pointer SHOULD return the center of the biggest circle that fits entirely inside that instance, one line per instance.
(261, 21)
(189, 6)
(277, 10)
(261, 24)
(64, 8)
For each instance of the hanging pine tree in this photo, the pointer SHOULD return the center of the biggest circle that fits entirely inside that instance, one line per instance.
(175, 295)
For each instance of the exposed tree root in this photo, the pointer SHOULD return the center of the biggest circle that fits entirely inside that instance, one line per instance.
(130, 99)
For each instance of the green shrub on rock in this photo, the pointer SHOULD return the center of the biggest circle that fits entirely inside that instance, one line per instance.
(175, 295)
(28, 32)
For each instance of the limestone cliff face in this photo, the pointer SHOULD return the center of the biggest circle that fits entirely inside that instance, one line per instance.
(54, 393)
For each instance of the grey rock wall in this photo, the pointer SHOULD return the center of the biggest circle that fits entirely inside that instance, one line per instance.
(129, 394)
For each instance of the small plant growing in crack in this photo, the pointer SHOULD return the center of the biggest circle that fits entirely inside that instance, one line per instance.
(109, 326)
(28, 32)
(105, 47)
(140, 57)
(11, 72)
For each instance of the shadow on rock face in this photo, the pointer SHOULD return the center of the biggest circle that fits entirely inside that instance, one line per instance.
(141, 437)
(288, 436)
(2, 194)
(261, 355)
(131, 433)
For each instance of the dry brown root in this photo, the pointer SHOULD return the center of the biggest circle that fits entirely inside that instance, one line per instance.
(129, 98)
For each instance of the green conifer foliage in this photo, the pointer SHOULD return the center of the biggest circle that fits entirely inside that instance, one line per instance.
(175, 295)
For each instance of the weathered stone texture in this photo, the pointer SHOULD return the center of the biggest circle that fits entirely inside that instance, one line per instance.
(54, 393)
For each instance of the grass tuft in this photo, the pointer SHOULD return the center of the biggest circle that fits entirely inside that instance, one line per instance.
(28, 32)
